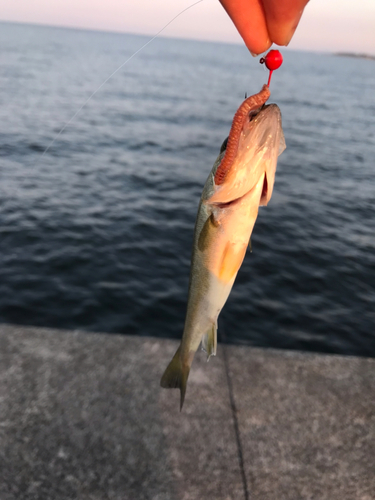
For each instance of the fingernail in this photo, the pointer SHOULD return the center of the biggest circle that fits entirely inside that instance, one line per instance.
(264, 46)
(289, 36)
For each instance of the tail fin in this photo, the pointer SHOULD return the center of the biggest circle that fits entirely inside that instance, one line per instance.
(176, 375)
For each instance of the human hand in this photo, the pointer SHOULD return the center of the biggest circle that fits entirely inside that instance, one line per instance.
(264, 22)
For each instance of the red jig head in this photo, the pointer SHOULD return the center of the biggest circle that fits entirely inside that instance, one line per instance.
(273, 61)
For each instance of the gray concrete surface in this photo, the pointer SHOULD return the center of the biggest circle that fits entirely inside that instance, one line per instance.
(82, 417)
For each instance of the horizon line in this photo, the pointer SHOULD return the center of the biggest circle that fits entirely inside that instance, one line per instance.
(150, 35)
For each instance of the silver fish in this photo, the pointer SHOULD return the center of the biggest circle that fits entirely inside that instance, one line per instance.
(241, 180)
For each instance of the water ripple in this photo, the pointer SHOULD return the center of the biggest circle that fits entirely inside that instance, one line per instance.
(97, 233)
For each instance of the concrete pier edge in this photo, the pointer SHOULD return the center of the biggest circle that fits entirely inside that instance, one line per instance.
(82, 416)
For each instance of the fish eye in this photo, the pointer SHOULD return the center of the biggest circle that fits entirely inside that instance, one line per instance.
(224, 145)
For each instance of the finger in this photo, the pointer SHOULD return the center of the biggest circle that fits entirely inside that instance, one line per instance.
(282, 18)
(248, 17)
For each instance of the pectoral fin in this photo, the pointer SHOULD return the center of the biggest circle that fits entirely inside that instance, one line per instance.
(209, 341)
(207, 233)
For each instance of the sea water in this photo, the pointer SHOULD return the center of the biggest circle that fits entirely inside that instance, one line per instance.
(96, 234)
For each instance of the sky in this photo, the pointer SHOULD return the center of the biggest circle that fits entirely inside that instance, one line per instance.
(327, 25)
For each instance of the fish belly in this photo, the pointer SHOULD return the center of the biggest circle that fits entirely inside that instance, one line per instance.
(220, 245)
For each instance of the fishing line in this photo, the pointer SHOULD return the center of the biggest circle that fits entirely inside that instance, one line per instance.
(112, 74)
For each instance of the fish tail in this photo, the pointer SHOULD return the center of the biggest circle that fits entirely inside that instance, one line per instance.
(176, 375)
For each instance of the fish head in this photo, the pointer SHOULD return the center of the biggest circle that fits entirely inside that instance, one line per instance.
(261, 141)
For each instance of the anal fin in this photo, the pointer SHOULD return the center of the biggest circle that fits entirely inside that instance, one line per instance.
(209, 341)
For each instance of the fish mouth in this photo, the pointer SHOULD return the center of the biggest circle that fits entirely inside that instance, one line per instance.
(254, 112)
(260, 142)
(253, 115)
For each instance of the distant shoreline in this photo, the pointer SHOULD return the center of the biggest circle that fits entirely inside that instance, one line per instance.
(354, 54)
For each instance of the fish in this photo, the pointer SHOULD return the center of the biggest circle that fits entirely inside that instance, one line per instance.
(240, 181)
